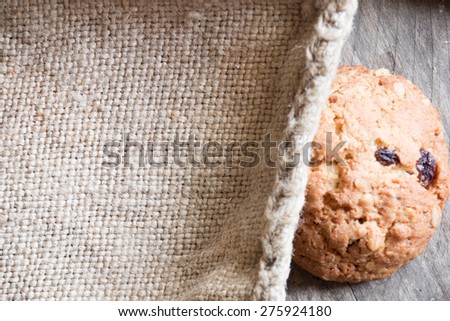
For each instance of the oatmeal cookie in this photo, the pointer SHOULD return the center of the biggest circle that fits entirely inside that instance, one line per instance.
(367, 218)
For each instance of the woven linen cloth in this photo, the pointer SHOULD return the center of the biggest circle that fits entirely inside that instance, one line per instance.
(96, 94)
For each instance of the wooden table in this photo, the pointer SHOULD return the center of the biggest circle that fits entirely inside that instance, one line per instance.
(411, 38)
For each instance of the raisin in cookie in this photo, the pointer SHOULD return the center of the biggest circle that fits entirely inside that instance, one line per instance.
(367, 218)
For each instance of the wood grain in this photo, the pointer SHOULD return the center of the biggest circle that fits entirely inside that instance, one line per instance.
(411, 38)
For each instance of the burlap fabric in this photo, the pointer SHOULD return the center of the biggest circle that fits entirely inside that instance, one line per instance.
(78, 222)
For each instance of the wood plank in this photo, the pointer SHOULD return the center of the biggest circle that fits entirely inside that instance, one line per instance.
(411, 38)
(304, 286)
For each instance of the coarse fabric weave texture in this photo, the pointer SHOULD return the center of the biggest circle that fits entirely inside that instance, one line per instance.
(107, 189)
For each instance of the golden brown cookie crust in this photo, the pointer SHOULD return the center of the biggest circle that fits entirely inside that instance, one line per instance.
(365, 220)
